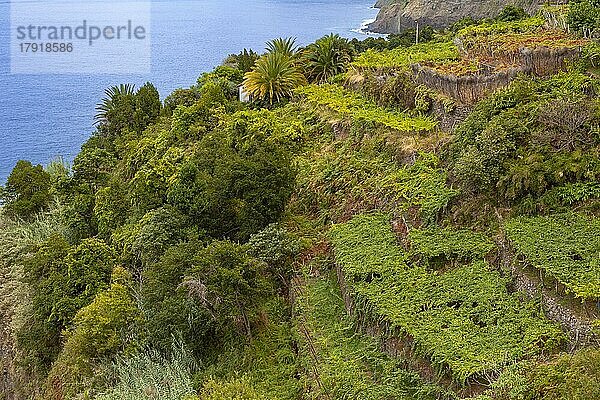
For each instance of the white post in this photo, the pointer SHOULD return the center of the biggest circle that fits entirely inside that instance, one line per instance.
(417, 35)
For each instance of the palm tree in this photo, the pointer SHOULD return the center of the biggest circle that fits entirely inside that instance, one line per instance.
(273, 77)
(104, 108)
(285, 46)
(328, 57)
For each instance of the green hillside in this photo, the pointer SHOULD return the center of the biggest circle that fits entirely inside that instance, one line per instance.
(382, 220)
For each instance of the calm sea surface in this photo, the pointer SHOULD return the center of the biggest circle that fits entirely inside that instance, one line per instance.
(45, 116)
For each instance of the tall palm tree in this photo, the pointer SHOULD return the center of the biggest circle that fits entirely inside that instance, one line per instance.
(104, 108)
(273, 77)
(285, 46)
(328, 57)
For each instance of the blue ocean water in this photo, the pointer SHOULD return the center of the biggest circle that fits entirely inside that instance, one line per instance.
(45, 116)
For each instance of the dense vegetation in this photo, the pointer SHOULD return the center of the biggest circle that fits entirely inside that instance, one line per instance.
(565, 246)
(462, 319)
(334, 238)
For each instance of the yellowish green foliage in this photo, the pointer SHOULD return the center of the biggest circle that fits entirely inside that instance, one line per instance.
(450, 243)
(343, 364)
(500, 27)
(464, 320)
(567, 247)
(350, 179)
(100, 331)
(349, 104)
(401, 58)
(235, 389)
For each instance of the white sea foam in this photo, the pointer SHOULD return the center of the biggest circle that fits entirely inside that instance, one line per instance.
(364, 28)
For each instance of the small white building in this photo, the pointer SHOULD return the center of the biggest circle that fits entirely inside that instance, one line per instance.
(243, 95)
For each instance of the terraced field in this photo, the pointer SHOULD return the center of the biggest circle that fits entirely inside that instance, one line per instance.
(463, 319)
(349, 104)
(566, 247)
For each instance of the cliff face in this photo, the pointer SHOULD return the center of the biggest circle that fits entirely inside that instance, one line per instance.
(397, 15)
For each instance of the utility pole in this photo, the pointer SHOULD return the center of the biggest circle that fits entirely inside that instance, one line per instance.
(417, 35)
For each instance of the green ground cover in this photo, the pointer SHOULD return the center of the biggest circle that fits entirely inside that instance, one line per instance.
(464, 320)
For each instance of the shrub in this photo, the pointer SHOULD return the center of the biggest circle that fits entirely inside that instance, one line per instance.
(584, 16)
(511, 13)
(63, 280)
(27, 190)
(528, 138)
(233, 188)
(148, 374)
(101, 329)
(277, 248)
(244, 61)
(168, 310)
(227, 78)
(236, 389)
(229, 284)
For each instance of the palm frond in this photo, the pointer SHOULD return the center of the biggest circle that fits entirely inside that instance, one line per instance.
(107, 103)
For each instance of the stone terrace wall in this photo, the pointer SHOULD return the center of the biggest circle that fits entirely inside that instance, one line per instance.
(468, 89)
(578, 325)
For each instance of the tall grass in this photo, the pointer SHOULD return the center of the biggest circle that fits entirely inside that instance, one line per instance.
(17, 240)
(151, 375)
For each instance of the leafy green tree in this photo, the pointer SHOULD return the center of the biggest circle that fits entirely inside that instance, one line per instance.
(244, 61)
(584, 16)
(27, 191)
(327, 57)
(274, 77)
(229, 284)
(157, 231)
(110, 208)
(181, 97)
(125, 109)
(147, 107)
(202, 189)
(116, 111)
(511, 13)
(101, 329)
(227, 78)
(168, 310)
(40, 337)
(277, 248)
(92, 170)
(95, 163)
(63, 280)
(233, 187)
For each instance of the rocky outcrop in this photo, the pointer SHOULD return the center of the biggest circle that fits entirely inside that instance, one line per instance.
(397, 15)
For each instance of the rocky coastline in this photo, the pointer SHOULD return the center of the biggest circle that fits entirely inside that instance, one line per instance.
(398, 15)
